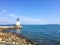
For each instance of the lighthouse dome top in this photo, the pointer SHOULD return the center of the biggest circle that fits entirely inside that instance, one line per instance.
(17, 19)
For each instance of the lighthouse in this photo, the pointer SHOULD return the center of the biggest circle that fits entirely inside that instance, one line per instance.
(17, 22)
(18, 25)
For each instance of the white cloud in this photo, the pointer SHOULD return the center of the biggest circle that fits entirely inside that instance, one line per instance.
(15, 16)
(4, 11)
(12, 15)
(7, 20)
(28, 20)
(2, 19)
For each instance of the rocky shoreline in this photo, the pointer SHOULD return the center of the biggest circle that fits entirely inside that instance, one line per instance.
(14, 39)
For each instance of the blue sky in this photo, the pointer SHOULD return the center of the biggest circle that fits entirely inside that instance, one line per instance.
(30, 11)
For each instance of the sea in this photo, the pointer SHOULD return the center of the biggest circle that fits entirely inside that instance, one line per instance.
(41, 34)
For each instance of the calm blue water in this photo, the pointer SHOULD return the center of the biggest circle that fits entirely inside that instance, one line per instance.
(42, 34)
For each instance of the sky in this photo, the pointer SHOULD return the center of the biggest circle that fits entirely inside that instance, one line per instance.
(30, 11)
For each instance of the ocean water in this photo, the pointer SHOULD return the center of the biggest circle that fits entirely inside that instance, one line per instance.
(42, 34)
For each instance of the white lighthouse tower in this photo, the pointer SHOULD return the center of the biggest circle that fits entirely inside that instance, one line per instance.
(18, 22)
(18, 25)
